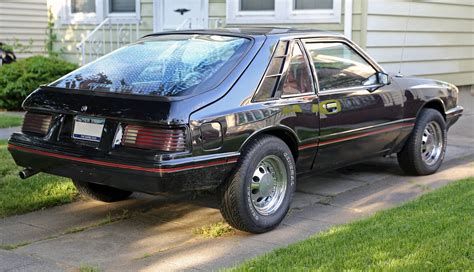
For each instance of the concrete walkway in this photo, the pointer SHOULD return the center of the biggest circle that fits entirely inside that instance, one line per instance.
(6, 132)
(156, 233)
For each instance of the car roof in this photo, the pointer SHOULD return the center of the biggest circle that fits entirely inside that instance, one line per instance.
(259, 31)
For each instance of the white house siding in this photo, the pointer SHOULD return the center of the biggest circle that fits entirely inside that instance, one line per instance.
(435, 38)
(217, 9)
(69, 35)
(24, 20)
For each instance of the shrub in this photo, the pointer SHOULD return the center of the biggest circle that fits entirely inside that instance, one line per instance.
(19, 79)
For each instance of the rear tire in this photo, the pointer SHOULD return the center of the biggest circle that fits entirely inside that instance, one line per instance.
(424, 150)
(100, 192)
(258, 195)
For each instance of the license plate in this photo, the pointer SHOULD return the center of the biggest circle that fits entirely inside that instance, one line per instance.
(88, 128)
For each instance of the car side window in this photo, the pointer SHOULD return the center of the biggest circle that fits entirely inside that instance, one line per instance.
(298, 80)
(339, 66)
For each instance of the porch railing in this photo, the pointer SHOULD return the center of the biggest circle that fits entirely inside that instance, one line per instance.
(110, 35)
(106, 37)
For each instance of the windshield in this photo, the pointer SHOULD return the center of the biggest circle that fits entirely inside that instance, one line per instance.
(166, 65)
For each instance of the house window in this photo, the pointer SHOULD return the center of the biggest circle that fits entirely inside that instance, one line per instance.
(122, 6)
(95, 11)
(283, 11)
(313, 4)
(252, 5)
(82, 6)
(123, 10)
(81, 11)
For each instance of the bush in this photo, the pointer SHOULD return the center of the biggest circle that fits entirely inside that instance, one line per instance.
(19, 79)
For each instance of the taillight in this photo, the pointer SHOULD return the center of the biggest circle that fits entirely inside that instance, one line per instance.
(154, 138)
(36, 123)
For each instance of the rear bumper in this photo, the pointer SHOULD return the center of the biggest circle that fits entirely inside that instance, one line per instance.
(453, 115)
(194, 173)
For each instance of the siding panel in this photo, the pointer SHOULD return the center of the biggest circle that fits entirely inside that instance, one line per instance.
(419, 9)
(437, 37)
(394, 54)
(419, 24)
(24, 21)
(432, 67)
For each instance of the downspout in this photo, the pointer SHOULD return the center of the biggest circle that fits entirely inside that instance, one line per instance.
(348, 19)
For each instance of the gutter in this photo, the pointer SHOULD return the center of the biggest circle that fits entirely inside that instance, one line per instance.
(348, 19)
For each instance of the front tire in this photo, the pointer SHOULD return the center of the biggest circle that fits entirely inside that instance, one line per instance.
(424, 150)
(100, 192)
(258, 195)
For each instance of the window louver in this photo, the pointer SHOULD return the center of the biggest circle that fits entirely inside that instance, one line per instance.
(36, 123)
(154, 138)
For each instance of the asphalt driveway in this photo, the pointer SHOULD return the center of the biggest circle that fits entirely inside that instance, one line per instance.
(157, 233)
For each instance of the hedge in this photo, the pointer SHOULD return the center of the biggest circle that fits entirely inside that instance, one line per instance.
(20, 78)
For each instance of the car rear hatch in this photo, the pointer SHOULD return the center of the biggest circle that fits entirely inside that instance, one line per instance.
(98, 125)
(131, 102)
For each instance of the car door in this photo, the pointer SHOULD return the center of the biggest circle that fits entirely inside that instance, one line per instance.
(359, 117)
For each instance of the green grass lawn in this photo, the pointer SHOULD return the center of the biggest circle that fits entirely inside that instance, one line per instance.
(20, 196)
(10, 120)
(434, 232)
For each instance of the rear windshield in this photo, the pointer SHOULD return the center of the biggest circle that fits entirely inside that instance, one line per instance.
(166, 65)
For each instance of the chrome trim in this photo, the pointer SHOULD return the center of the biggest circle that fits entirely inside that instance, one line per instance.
(455, 111)
(202, 158)
(268, 185)
(349, 89)
(297, 95)
(432, 143)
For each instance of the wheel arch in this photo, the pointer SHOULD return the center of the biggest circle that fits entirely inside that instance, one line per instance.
(436, 104)
(284, 133)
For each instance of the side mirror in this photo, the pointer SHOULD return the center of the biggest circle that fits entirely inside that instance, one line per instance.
(383, 78)
(376, 81)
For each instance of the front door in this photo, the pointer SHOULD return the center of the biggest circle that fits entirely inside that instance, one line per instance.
(180, 14)
(357, 120)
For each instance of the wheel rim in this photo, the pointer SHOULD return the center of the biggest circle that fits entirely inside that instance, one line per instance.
(268, 185)
(431, 143)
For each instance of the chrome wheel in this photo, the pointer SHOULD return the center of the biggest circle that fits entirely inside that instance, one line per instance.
(431, 143)
(268, 186)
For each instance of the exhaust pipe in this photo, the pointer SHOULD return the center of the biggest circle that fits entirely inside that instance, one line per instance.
(27, 172)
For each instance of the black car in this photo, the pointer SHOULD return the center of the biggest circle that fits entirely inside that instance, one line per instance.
(240, 111)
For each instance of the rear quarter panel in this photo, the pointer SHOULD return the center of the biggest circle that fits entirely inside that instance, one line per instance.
(241, 119)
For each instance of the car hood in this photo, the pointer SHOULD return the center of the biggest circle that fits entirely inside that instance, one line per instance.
(421, 83)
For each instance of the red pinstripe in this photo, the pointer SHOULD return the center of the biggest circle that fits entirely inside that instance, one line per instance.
(123, 166)
(351, 137)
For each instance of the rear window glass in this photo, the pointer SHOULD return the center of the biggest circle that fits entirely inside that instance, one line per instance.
(166, 65)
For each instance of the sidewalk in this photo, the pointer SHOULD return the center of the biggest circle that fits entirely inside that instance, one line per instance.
(156, 233)
(6, 132)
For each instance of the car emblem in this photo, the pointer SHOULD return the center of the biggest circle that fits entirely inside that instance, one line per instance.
(83, 108)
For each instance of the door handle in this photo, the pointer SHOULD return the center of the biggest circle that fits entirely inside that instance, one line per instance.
(331, 107)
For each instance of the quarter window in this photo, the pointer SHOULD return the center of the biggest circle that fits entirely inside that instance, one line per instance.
(338, 66)
(297, 79)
